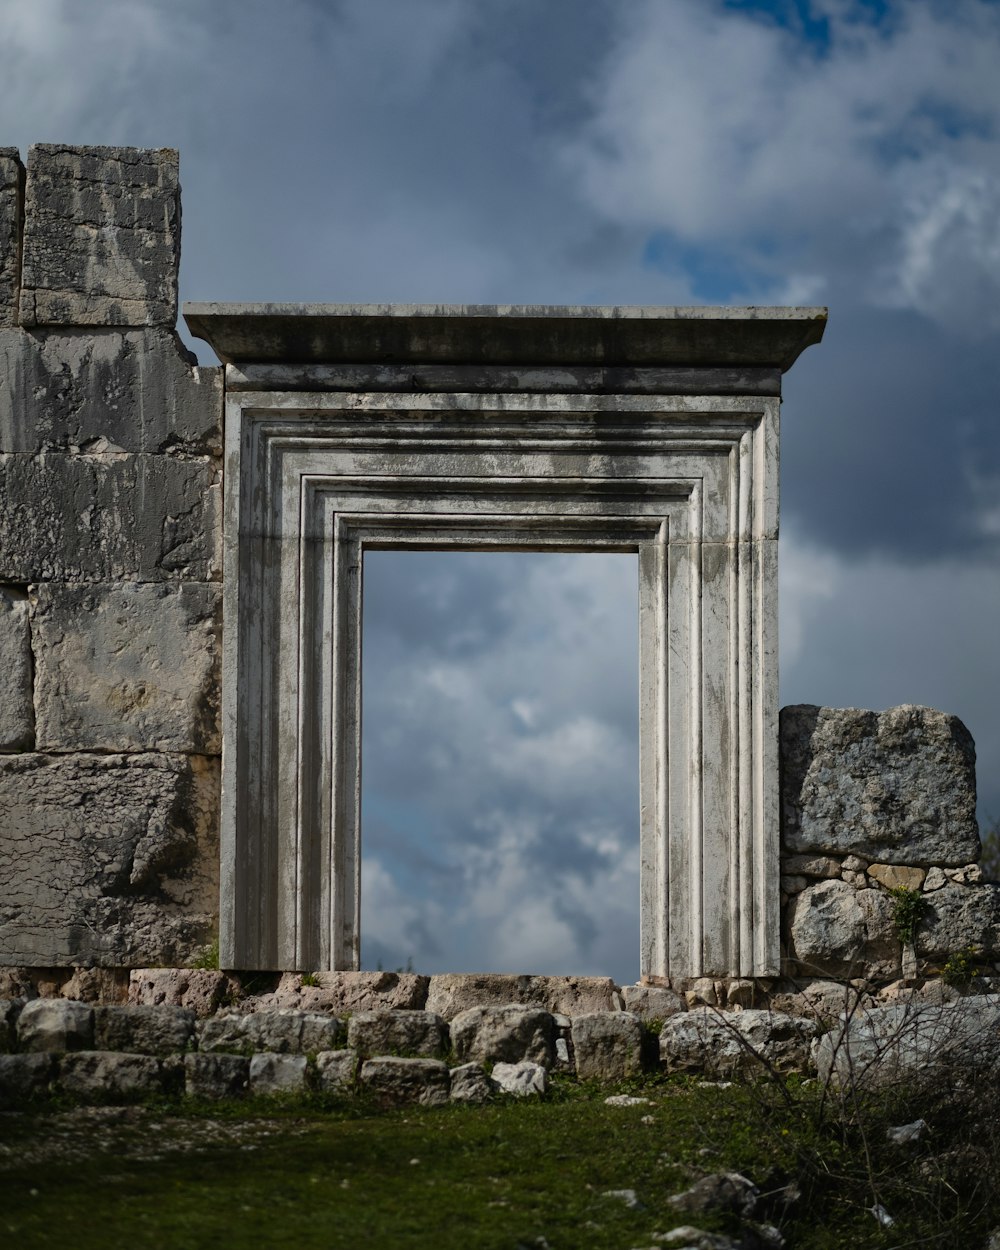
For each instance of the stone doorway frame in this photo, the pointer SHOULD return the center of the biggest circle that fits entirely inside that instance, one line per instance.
(330, 452)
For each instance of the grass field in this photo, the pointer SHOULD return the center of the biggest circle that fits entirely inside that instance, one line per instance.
(511, 1174)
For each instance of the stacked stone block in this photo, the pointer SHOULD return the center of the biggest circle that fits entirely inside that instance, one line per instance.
(109, 570)
(879, 817)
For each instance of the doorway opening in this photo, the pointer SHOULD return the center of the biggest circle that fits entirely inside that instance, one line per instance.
(500, 762)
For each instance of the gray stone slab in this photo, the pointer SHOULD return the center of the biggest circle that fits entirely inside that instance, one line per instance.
(98, 1075)
(144, 1030)
(23, 1077)
(506, 334)
(607, 1046)
(959, 917)
(216, 1076)
(897, 786)
(55, 1024)
(959, 1041)
(107, 858)
(454, 992)
(421, 1033)
(336, 1070)
(133, 667)
(17, 710)
(201, 990)
(135, 390)
(344, 993)
(652, 1002)
(101, 236)
(11, 220)
(280, 1032)
(722, 1044)
(106, 517)
(504, 1034)
(278, 1074)
(399, 1082)
(470, 1084)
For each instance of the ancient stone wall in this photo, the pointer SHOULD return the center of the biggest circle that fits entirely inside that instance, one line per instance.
(109, 578)
(880, 875)
(110, 573)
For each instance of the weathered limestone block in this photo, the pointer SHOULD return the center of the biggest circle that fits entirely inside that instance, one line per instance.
(99, 1074)
(55, 1024)
(336, 1070)
(898, 786)
(909, 1041)
(839, 931)
(199, 989)
(10, 1009)
(102, 236)
(399, 1082)
(721, 1044)
(96, 985)
(277, 1074)
(896, 877)
(523, 1080)
(470, 1084)
(216, 1076)
(652, 1002)
(144, 1030)
(810, 865)
(344, 993)
(124, 391)
(107, 517)
(504, 1034)
(280, 1032)
(451, 993)
(421, 1033)
(957, 917)
(23, 1077)
(107, 858)
(818, 1000)
(17, 713)
(127, 667)
(11, 221)
(607, 1045)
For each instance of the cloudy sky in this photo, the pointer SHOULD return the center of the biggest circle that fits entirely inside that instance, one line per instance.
(842, 152)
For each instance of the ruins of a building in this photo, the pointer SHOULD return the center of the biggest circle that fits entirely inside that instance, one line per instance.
(653, 431)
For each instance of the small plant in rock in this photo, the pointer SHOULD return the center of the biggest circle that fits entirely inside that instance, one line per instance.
(909, 908)
(310, 979)
(961, 968)
(208, 957)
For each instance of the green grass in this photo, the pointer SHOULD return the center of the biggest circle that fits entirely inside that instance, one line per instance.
(342, 1175)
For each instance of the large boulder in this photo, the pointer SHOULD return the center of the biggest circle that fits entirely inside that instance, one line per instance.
(839, 931)
(280, 1032)
(452, 993)
(607, 1046)
(97, 1075)
(721, 1044)
(897, 787)
(144, 1030)
(398, 1082)
(914, 1040)
(420, 1033)
(959, 917)
(55, 1024)
(504, 1035)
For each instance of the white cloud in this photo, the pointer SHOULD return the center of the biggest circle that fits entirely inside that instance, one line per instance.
(880, 157)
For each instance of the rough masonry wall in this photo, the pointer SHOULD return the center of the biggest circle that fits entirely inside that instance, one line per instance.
(879, 823)
(109, 574)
